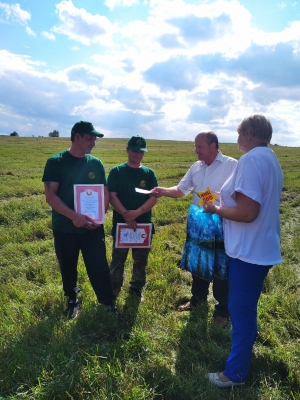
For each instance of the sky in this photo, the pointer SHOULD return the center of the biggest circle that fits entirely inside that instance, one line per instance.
(161, 69)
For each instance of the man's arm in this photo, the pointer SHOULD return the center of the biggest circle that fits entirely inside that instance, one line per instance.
(118, 206)
(131, 215)
(173, 192)
(116, 203)
(79, 220)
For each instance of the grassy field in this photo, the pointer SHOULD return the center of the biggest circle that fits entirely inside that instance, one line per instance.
(157, 353)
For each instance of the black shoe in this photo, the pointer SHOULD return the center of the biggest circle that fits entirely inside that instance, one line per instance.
(113, 309)
(137, 294)
(72, 309)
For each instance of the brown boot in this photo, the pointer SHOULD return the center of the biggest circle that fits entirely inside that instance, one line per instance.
(186, 307)
(222, 322)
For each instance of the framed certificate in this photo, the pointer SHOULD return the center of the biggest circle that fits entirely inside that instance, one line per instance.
(127, 237)
(89, 200)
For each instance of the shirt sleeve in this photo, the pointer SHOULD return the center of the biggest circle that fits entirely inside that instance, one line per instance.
(51, 171)
(248, 180)
(186, 183)
(154, 180)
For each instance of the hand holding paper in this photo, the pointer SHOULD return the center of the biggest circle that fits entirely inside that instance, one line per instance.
(89, 201)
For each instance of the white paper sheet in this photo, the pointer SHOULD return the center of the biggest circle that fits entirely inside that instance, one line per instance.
(142, 191)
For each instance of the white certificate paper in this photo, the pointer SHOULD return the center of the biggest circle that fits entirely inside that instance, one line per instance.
(127, 237)
(138, 190)
(89, 200)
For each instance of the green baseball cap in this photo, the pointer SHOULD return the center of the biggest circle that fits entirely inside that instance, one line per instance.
(86, 127)
(137, 143)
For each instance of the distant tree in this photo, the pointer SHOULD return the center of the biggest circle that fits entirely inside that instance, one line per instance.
(14, 134)
(54, 134)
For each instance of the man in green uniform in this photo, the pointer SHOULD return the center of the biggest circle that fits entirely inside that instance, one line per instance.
(74, 232)
(131, 207)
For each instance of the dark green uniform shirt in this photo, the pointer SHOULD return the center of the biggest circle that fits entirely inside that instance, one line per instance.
(68, 170)
(123, 180)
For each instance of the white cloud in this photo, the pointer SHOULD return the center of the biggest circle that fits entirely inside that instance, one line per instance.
(282, 5)
(289, 35)
(79, 25)
(170, 128)
(175, 28)
(36, 98)
(14, 13)
(119, 3)
(176, 110)
(29, 31)
(15, 62)
(48, 35)
(182, 69)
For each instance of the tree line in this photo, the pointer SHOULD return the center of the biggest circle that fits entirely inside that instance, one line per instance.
(54, 133)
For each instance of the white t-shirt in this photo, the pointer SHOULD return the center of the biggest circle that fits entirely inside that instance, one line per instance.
(200, 176)
(258, 175)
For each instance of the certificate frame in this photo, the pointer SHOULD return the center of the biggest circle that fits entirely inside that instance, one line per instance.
(128, 238)
(92, 206)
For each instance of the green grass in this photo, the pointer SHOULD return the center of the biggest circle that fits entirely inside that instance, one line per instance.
(158, 353)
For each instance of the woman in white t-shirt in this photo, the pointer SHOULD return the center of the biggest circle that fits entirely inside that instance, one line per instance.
(249, 206)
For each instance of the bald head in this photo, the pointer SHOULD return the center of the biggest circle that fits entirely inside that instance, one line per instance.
(210, 137)
(206, 146)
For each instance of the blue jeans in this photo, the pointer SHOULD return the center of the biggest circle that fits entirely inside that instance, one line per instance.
(245, 286)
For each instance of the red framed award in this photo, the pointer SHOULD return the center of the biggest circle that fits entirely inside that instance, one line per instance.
(89, 200)
(128, 237)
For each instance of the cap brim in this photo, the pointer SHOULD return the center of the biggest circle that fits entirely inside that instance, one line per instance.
(95, 133)
(137, 148)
